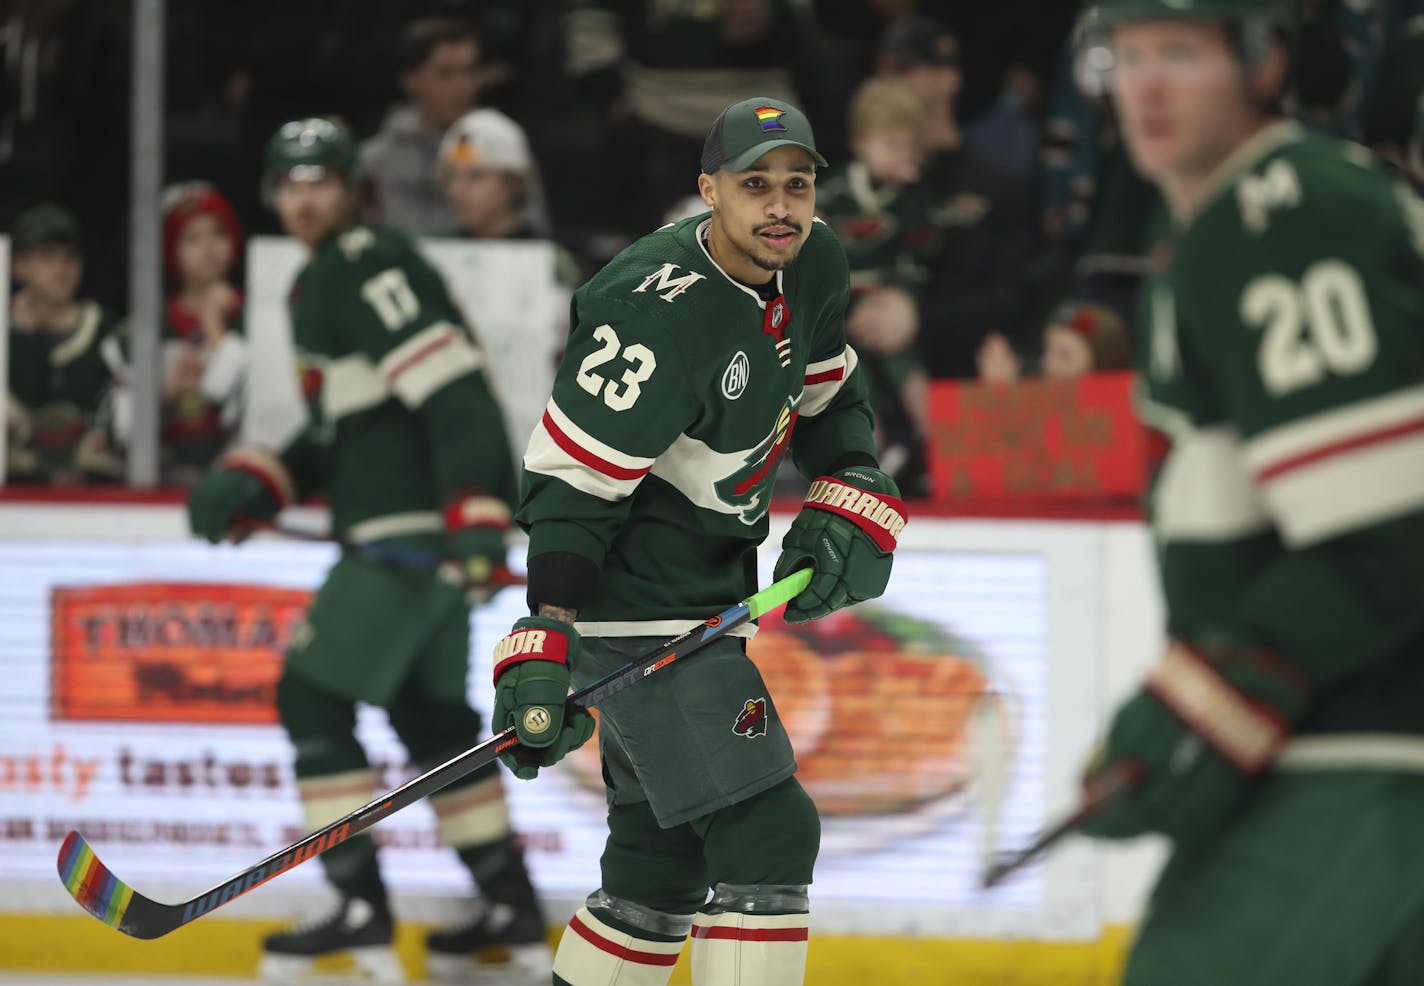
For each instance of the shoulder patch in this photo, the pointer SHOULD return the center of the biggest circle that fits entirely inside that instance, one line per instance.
(1275, 189)
(356, 241)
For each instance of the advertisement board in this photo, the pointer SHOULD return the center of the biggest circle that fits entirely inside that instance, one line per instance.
(136, 677)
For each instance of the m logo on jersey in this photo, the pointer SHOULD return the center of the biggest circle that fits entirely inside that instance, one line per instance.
(747, 489)
(751, 721)
(665, 285)
(736, 376)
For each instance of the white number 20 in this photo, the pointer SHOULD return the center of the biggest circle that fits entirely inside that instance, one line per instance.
(617, 394)
(1320, 325)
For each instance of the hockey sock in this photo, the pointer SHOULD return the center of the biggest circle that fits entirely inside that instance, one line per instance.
(471, 814)
(333, 778)
(614, 942)
(752, 936)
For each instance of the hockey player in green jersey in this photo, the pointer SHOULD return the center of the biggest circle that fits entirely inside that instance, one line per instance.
(407, 443)
(701, 356)
(1279, 736)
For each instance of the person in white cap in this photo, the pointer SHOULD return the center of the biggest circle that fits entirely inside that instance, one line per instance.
(491, 180)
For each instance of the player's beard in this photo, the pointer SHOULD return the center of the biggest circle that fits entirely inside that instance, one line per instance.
(768, 261)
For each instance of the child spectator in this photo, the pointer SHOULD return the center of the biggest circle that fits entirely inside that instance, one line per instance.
(880, 206)
(1084, 338)
(204, 354)
(63, 357)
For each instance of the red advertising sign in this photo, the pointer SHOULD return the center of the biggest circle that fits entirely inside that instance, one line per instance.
(1041, 440)
(171, 652)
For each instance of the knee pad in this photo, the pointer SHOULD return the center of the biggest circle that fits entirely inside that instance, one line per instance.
(770, 839)
(322, 727)
(433, 731)
(616, 942)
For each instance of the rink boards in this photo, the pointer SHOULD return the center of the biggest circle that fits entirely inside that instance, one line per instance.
(176, 773)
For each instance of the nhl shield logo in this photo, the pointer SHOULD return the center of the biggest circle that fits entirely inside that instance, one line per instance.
(738, 373)
(751, 721)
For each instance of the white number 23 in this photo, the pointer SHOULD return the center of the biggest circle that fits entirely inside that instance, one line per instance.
(618, 394)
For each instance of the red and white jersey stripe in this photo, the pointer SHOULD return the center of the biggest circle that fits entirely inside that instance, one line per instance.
(1343, 469)
(824, 380)
(561, 449)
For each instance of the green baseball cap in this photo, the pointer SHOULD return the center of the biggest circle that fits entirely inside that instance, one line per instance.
(44, 224)
(747, 130)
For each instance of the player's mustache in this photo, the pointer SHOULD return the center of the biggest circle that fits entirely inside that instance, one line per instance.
(793, 226)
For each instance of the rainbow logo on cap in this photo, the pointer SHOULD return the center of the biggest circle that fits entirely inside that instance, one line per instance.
(770, 118)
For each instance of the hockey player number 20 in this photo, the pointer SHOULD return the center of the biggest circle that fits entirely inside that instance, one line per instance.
(1321, 324)
(617, 394)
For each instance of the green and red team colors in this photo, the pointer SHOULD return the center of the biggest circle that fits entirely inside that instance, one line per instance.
(679, 395)
(377, 337)
(1283, 364)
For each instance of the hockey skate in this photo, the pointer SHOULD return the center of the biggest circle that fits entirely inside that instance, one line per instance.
(356, 928)
(502, 945)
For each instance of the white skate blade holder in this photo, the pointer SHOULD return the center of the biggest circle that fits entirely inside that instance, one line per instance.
(521, 965)
(376, 964)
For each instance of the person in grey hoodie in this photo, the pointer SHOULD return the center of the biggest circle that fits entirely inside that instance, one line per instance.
(439, 65)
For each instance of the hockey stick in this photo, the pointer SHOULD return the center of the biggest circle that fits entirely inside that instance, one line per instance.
(389, 553)
(118, 905)
(1106, 789)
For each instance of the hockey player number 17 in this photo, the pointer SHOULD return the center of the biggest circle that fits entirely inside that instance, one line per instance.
(618, 394)
(1320, 324)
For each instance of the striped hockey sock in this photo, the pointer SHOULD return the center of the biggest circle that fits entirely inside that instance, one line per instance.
(730, 945)
(594, 953)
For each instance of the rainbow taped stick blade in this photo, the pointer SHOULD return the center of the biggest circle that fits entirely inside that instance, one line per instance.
(105, 896)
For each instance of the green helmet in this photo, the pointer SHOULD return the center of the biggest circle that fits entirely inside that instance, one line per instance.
(309, 148)
(1103, 12)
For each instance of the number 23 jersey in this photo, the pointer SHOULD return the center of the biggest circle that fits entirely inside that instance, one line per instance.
(680, 393)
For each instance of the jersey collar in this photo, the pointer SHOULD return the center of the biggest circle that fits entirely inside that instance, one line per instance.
(1243, 159)
(702, 245)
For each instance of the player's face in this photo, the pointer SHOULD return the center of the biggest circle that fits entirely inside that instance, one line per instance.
(482, 198)
(445, 86)
(1180, 95)
(762, 216)
(313, 208)
(51, 270)
(204, 251)
(1066, 354)
(892, 155)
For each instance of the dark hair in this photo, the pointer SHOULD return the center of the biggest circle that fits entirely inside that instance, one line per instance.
(422, 37)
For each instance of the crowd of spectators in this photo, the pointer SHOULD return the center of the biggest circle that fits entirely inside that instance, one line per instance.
(994, 225)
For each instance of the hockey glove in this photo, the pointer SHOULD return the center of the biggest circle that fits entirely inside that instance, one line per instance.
(222, 499)
(475, 527)
(531, 682)
(1203, 728)
(846, 531)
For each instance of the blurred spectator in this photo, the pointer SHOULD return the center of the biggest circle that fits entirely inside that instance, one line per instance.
(879, 205)
(62, 358)
(491, 180)
(975, 287)
(1084, 338)
(1391, 118)
(438, 66)
(665, 71)
(204, 355)
(1098, 214)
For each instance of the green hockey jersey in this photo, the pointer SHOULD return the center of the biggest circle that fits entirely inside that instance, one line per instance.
(889, 233)
(680, 392)
(401, 419)
(1283, 361)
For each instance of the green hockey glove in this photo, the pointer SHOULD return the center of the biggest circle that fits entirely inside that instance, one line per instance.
(225, 497)
(531, 682)
(1203, 728)
(846, 531)
(475, 527)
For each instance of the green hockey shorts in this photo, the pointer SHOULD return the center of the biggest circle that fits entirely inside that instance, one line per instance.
(372, 627)
(699, 735)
